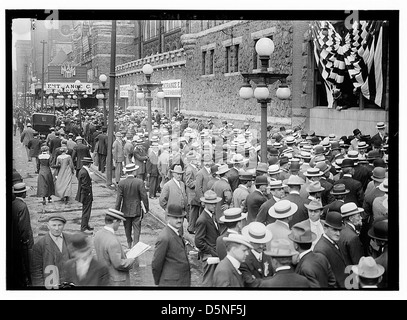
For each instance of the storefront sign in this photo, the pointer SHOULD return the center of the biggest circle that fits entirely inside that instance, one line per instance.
(172, 88)
(67, 87)
(124, 90)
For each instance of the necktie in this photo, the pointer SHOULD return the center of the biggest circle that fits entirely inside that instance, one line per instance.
(214, 221)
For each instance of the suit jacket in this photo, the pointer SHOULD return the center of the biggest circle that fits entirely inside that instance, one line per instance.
(206, 235)
(233, 177)
(84, 194)
(79, 152)
(382, 260)
(54, 143)
(151, 165)
(350, 245)
(356, 193)
(263, 215)
(140, 159)
(239, 195)
(46, 253)
(223, 190)
(335, 259)
(118, 151)
(102, 145)
(97, 275)
(302, 213)
(368, 204)
(226, 275)
(201, 183)
(27, 135)
(109, 252)
(254, 272)
(130, 192)
(326, 196)
(333, 206)
(253, 202)
(221, 246)
(362, 174)
(170, 264)
(35, 147)
(172, 194)
(377, 137)
(286, 279)
(189, 179)
(316, 268)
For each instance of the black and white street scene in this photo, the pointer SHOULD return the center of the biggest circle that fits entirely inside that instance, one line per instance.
(194, 154)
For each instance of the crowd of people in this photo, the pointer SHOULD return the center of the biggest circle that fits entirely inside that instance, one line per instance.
(297, 219)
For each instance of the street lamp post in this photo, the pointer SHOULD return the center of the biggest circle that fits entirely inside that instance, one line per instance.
(148, 87)
(102, 95)
(79, 94)
(264, 48)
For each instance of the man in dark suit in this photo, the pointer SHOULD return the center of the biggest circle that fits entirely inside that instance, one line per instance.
(256, 267)
(80, 151)
(130, 193)
(360, 172)
(50, 253)
(328, 246)
(255, 199)
(281, 253)
(224, 191)
(326, 183)
(294, 184)
(314, 266)
(349, 241)
(276, 188)
(170, 264)
(55, 143)
(355, 187)
(379, 245)
(339, 192)
(227, 272)
(232, 175)
(85, 194)
(102, 149)
(381, 135)
(194, 204)
(202, 178)
(140, 159)
(206, 234)
(152, 170)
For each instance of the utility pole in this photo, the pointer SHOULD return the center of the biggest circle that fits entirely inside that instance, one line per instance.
(110, 126)
(42, 81)
(25, 86)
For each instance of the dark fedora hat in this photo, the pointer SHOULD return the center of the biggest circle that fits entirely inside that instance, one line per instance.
(175, 210)
(333, 219)
(379, 230)
(246, 176)
(261, 180)
(301, 233)
(79, 242)
(346, 163)
(339, 189)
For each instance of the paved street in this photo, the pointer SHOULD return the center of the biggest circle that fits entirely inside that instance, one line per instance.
(104, 198)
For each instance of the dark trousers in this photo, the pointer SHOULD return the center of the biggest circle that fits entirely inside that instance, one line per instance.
(153, 186)
(102, 162)
(208, 271)
(132, 224)
(86, 210)
(193, 216)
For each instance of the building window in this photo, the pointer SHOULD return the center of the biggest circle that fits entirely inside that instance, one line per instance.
(256, 59)
(232, 59)
(227, 59)
(170, 25)
(236, 58)
(150, 30)
(203, 62)
(211, 61)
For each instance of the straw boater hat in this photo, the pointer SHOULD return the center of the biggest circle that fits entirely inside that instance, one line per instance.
(177, 169)
(362, 145)
(238, 238)
(238, 158)
(274, 169)
(283, 209)
(262, 167)
(78, 138)
(257, 232)
(210, 196)
(380, 125)
(349, 209)
(175, 210)
(130, 167)
(314, 205)
(313, 172)
(301, 233)
(233, 215)
(119, 134)
(368, 268)
(223, 168)
(116, 214)
(87, 160)
(246, 176)
(384, 186)
(276, 184)
(20, 187)
(280, 248)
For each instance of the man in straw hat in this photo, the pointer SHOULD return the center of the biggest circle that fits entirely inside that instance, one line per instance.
(368, 272)
(238, 162)
(110, 252)
(349, 241)
(277, 192)
(256, 199)
(233, 219)
(132, 200)
(314, 266)
(381, 135)
(281, 253)
(224, 191)
(227, 272)
(85, 193)
(328, 246)
(21, 240)
(257, 266)
(207, 231)
(294, 184)
(170, 264)
(173, 192)
(339, 192)
(118, 156)
(242, 191)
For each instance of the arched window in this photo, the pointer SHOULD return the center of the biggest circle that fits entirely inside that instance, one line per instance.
(150, 30)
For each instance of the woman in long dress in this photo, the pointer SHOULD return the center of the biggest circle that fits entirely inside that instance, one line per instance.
(64, 176)
(45, 181)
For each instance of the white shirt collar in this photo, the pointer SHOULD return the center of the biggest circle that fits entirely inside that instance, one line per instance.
(173, 229)
(208, 212)
(276, 199)
(294, 192)
(329, 239)
(304, 253)
(257, 254)
(109, 229)
(283, 268)
(234, 262)
(177, 182)
(208, 169)
(87, 169)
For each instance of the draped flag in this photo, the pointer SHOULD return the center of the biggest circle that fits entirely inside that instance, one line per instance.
(362, 53)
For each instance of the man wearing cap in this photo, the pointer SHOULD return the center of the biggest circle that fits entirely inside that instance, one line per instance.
(227, 272)
(207, 230)
(281, 253)
(349, 241)
(243, 190)
(314, 266)
(21, 240)
(257, 266)
(50, 253)
(79, 152)
(328, 246)
(368, 272)
(355, 187)
(26, 136)
(85, 194)
(170, 264)
(277, 192)
(101, 141)
(381, 135)
(294, 184)
(84, 269)
(109, 251)
(256, 198)
(130, 193)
